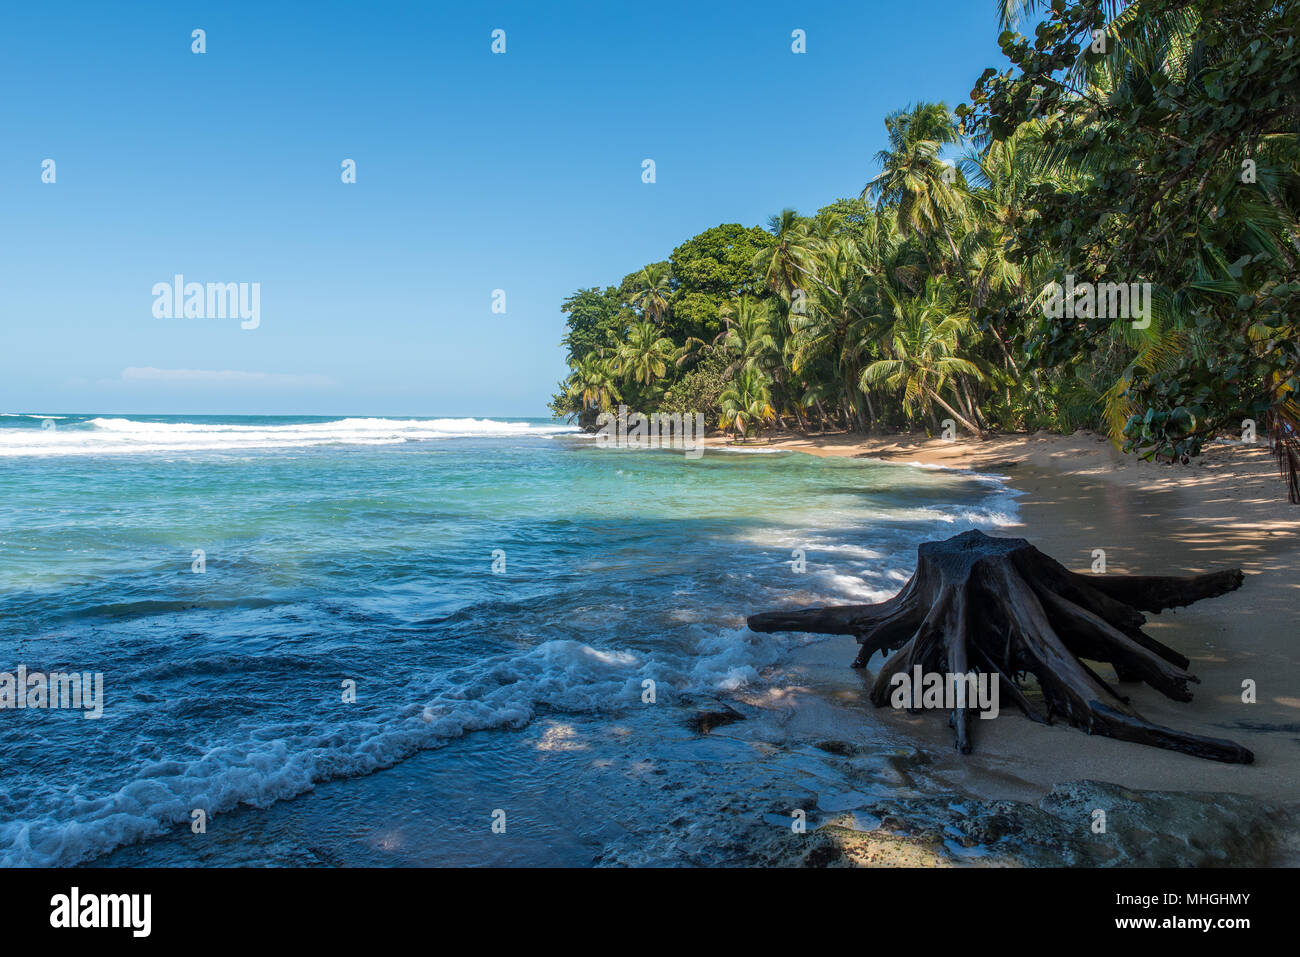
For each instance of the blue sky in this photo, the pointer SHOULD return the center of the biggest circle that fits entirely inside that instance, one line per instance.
(475, 172)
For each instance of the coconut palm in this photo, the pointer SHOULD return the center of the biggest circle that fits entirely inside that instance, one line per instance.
(923, 189)
(922, 355)
(645, 354)
(746, 403)
(653, 292)
(785, 265)
(594, 383)
(747, 335)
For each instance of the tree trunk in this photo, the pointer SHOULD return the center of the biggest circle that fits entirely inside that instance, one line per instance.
(976, 416)
(953, 412)
(821, 413)
(1001, 608)
(1284, 214)
(956, 256)
(857, 415)
(1005, 351)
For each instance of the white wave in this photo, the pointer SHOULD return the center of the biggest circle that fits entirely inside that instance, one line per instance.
(258, 765)
(118, 436)
(264, 765)
(858, 571)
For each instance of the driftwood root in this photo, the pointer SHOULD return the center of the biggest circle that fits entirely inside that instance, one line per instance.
(1001, 607)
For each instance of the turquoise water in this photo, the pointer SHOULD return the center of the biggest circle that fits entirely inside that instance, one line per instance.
(362, 550)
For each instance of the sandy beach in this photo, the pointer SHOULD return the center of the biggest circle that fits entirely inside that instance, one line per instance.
(714, 778)
(1226, 509)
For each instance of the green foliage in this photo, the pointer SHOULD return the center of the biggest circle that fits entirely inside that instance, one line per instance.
(1171, 158)
(700, 389)
(643, 357)
(594, 320)
(746, 404)
(1182, 138)
(711, 268)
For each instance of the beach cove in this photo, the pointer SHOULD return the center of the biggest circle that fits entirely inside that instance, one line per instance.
(1227, 508)
(757, 737)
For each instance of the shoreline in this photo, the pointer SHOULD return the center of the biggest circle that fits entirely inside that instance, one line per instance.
(1226, 509)
(712, 779)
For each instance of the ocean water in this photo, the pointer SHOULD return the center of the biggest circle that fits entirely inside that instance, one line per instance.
(495, 589)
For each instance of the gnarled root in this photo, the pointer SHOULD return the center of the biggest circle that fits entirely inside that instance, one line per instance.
(1000, 607)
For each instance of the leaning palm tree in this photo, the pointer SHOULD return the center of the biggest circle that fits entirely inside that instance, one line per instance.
(922, 359)
(746, 403)
(644, 356)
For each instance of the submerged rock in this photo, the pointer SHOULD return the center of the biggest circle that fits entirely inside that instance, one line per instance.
(1134, 829)
(714, 715)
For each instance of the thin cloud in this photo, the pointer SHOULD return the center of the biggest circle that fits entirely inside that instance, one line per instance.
(225, 377)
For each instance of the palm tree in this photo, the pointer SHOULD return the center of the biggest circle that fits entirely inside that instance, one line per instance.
(922, 361)
(1000, 180)
(748, 333)
(643, 357)
(845, 312)
(593, 381)
(913, 179)
(746, 403)
(785, 264)
(653, 292)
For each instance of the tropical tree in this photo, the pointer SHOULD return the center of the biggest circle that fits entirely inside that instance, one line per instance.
(913, 179)
(643, 357)
(594, 383)
(1167, 191)
(653, 291)
(748, 338)
(747, 404)
(785, 265)
(922, 355)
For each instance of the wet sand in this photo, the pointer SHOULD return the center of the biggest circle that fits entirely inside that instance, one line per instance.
(1226, 509)
(880, 787)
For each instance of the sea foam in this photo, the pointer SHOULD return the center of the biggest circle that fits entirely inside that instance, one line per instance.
(122, 436)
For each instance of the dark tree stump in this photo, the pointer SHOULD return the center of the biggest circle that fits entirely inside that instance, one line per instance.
(1000, 606)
